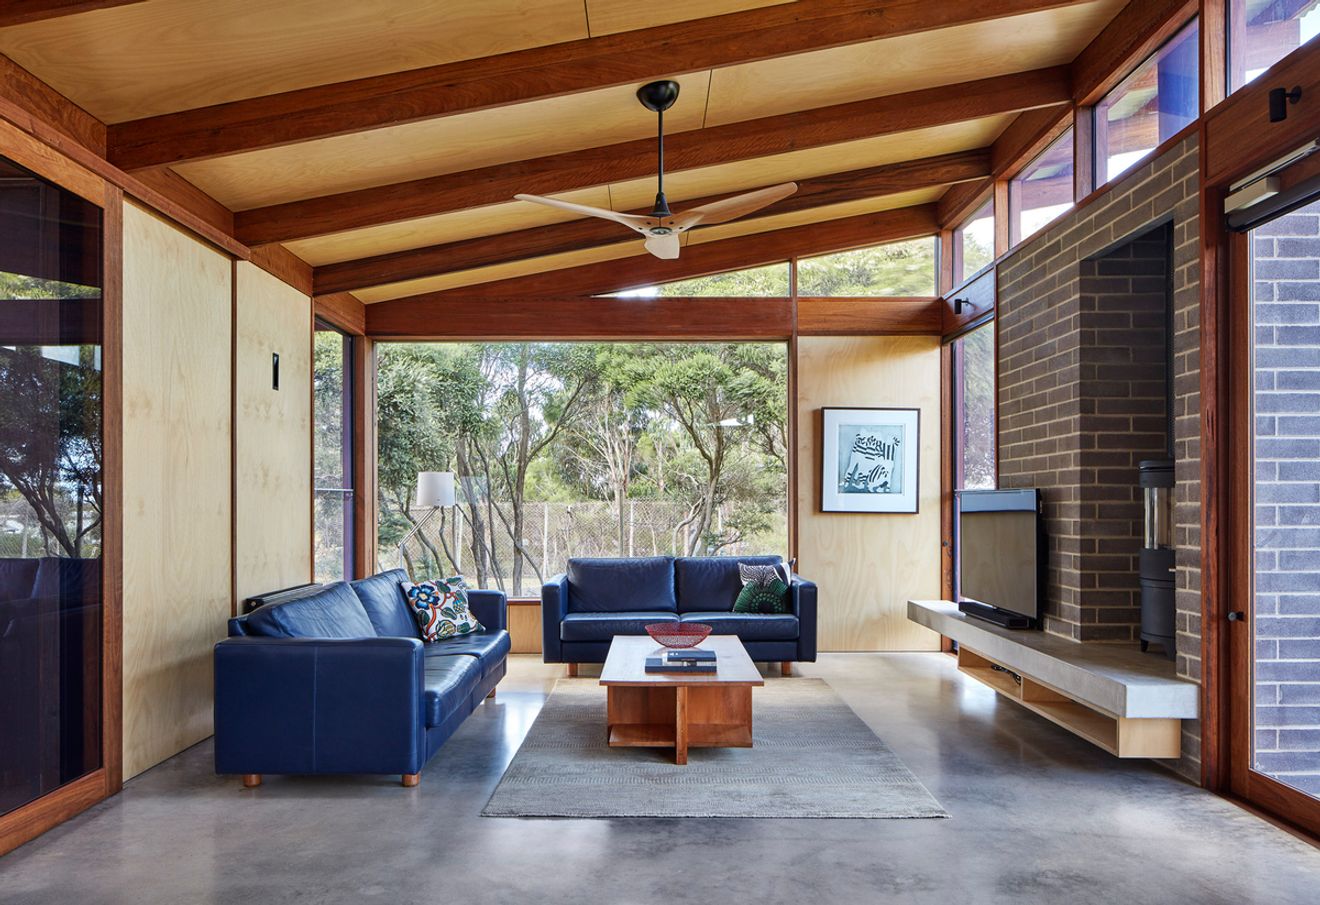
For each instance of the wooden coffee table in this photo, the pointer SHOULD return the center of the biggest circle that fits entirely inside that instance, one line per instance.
(667, 710)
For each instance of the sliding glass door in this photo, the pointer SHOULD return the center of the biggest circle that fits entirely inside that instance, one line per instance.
(52, 500)
(1275, 609)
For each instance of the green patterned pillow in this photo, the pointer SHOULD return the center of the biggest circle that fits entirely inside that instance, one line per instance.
(441, 608)
(764, 599)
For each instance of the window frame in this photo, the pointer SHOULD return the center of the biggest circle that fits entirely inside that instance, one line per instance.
(957, 235)
(1099, 125)
(957, 425)
(1014, 206)
(348, 470)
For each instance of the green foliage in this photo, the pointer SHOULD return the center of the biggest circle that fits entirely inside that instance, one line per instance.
(895, 269)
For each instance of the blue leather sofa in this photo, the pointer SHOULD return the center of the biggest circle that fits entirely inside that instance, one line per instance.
(339, 681)
(584, 608)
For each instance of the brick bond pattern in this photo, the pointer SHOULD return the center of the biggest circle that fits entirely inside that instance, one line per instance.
(1287, 375)
(1048, 290)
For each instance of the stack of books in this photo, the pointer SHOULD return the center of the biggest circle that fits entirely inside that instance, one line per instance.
(689, 660)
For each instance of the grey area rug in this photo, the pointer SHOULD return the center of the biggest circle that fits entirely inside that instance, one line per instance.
(811, 757)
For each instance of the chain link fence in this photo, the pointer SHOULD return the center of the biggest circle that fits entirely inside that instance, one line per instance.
(551, 533)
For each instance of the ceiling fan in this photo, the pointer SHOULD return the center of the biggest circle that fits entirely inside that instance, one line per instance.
(662, 227)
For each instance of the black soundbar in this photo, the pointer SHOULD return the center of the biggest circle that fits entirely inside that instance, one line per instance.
(995, 615)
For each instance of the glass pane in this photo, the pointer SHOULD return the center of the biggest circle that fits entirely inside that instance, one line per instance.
(1042, 191)
(333, 453)
(974, 242)
(50, 487)
(1262, 32)
(975, 357)
(1151, 105)
(1286, 275)
(580, 449)
(895, 269)
(768, 281)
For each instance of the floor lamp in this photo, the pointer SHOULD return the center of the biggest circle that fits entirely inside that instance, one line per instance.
(435, 489)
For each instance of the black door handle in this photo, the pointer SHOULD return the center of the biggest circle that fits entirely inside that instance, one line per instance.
(1237, 616)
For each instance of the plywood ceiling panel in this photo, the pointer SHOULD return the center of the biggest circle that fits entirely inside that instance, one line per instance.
(906, 63)
(500, 271)
(606, 17)
(406, 234)
(639, 193)
(853, 155)
(813, 215)
(452, 144)
(149, 58)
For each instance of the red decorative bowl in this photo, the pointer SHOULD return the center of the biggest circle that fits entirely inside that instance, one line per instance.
(678, 634)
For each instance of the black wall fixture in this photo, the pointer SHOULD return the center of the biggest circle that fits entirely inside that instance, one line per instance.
(274, 370)
(1280, 98)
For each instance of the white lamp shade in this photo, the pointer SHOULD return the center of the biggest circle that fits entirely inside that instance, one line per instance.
(435, 489)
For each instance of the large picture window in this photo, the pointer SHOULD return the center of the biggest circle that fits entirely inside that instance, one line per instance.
(1150, 106)
(580, 449)
(332, 390)
(51, 461)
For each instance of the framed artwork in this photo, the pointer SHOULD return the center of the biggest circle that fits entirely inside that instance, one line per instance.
(869, 459)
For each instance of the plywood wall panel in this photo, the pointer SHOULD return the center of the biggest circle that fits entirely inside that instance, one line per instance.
(272, 434)
(868, 566)
(177, 514)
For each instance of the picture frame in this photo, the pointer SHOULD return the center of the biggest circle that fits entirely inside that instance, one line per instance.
(870, 460)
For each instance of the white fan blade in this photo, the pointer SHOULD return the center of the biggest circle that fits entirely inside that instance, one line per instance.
(727, 209)
(632, 221)
(665, 247)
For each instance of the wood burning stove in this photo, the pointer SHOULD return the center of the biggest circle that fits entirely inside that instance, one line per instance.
(1157, 561)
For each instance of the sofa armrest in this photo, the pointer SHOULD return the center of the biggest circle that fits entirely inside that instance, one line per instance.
(803, 595)
(490, 607)
(554, 607)
(319, 705)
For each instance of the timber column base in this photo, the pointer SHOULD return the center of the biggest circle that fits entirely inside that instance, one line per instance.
(679, 717)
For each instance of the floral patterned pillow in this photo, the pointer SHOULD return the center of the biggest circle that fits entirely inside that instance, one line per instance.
(441, 608)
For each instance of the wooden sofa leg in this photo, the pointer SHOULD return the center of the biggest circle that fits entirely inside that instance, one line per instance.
(411, 779)
(251, 780)
(572, 670)
(492, 693)
(786, 668)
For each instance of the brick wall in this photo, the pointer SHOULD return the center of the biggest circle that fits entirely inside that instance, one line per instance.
(1047, 433)
(1122, 389)
(1287, 601)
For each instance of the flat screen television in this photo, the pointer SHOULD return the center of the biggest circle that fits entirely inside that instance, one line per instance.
(1002, 556)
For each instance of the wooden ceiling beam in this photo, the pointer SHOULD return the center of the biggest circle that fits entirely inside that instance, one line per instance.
(577, 235)
(636, 159)
(706, 258)
(20, 12)
(535, 74)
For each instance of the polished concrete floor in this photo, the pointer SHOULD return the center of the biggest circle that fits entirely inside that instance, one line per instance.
(1038, 816)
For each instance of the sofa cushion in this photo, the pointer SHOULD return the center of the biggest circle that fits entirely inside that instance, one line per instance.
(386, 607)
(441, 608)
(333, 612)
(769, 598)
(749, 626)
(604, 626)
(711, 583)
(630, 585)
(489, 646)
(447, 685)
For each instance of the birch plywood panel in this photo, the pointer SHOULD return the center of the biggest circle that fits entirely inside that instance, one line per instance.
(177, 512)
(609, 16)
(868, 566)
(149, 58)
(429, 148)
(906, 63)
(406, 234)
(272, 434)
